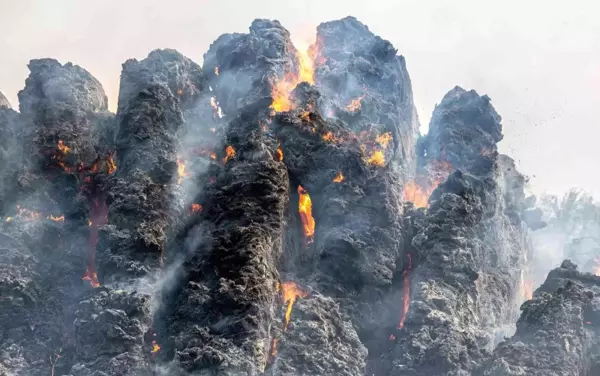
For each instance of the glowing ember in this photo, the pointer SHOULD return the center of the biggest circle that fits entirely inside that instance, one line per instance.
(112, 166)
(354, 104)
(57, 219)
(330, 137)
(305, 210)
(279, 153)
(196, 208)
(290, 293)
(229, 153)
(179, 92)
(216, 70)
(305, 116)
(405, 278)
(274, 346)
(64, 149)
(339, 178)
(282, 89)
(181, 170)
(155, 347)
(99, 217)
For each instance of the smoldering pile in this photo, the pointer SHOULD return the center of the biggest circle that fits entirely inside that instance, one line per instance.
(273, 212)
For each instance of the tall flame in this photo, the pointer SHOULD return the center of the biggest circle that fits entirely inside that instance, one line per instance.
(99, 217)
(418, 192)
(282, 89)
(112, 166)
(305, 210)
(279, 153)
(290, 293)
(526, 287)
(406, 291)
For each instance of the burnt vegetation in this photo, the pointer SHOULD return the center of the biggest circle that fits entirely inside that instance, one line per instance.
(276, 212)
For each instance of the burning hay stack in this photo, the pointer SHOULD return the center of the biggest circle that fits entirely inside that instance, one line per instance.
(271, 213)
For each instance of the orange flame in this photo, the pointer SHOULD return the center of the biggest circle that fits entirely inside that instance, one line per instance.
(274, 346)
(330, 137)
(305, 210)
(282, 89)
(179, 92)
(339, 178)
(216, 70)
(57, 219)
(406, 300)
(229, 153)
(112, 166)
(355, 104)
(377, 159)
(419, 193)
(181, 170)
(279, 153)
(155, 347)
(384, 139)
(290, 293)
(63, 148)
(196, 208)
(91, 276)
(305, 116)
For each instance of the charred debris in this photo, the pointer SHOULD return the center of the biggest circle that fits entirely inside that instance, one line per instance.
(273, 212)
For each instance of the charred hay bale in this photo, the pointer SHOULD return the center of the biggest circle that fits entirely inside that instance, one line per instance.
(557, 333)
(318, 341)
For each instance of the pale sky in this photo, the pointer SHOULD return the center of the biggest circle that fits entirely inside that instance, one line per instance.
(538, 60)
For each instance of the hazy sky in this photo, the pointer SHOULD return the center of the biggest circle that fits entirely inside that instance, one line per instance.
(539, 61)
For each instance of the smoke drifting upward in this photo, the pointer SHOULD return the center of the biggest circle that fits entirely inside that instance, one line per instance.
(275, 212)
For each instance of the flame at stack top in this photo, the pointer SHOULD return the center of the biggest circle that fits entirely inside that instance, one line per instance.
(290, 293)
(282, 88)
(305, 210)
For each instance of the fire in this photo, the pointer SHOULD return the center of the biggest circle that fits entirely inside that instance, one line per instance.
(416, 194)
(179, 92)
(274, 346)
(377, 159)
(57, 219)
(216, 108)
(354, 104)
(384, 139)
(91, 276)
(597, 267)
(99, 217)
(213, 130)
(64, 149)
(216, 70)
(181, 170)
(290, 293)
(330, 137)
(526, 287)
(27, 215)
(229, 153)
(155, 347)
(305, 210)
(305, 116)
(419, 192)
(339, 178)
(112, 166)
(213, 155)
(196, 208)
(406, 300)
(279, 153)
(282, 89)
